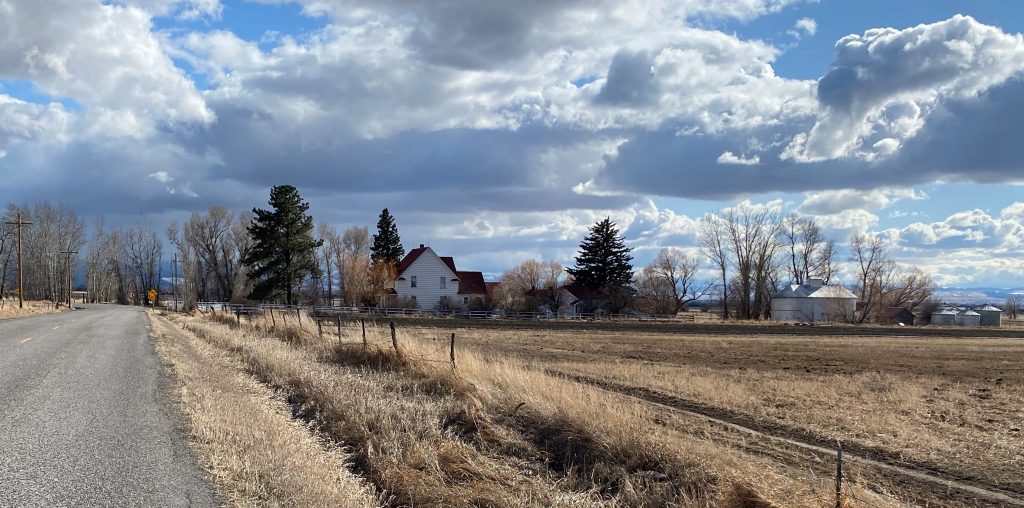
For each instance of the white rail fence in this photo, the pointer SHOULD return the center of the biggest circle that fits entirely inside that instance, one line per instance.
(332, 311)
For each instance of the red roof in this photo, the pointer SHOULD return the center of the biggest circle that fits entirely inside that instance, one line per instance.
(415, 254)
(471, 283)
(450, 263)
(409, 259)
(492, 287)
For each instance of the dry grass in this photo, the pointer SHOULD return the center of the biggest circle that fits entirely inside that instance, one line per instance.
(244, 435)
(9, 308)
(426, 434)
(954, 403)
(412, 437)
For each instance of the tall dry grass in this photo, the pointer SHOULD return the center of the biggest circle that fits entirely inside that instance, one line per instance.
(579, 444)
(256, 454)
(406, 434)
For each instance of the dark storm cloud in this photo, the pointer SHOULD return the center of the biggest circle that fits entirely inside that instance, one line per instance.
(968, 139)
(631, 80)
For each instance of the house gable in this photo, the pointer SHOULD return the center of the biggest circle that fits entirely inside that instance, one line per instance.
(427, 278)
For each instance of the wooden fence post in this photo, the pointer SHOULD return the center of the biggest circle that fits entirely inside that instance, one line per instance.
(298, 314)
(319, 328)
(362, 321)
(839, 475)
(272, 320)
(238, 318)
(452, 352)
(339, 329)
(394, 339)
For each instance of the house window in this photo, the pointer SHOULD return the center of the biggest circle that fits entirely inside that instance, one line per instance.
(465, 300)
(444, 282)
(412, 281)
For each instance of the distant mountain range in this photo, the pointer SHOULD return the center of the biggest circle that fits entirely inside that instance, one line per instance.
(976, 296)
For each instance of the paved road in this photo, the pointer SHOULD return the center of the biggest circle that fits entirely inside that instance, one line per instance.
(85, 415)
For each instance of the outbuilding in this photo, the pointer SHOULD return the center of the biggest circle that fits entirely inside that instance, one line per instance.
(896, 316)
(990, 316)
(968, 318)
(944, 317)
(813, 302)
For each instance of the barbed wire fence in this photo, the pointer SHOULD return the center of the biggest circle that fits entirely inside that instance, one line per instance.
(380, 332)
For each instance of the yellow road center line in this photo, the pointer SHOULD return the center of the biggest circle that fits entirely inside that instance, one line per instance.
(56, 327)
(26, 340)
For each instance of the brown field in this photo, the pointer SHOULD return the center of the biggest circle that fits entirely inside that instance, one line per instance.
(952, 406)
(494, 431)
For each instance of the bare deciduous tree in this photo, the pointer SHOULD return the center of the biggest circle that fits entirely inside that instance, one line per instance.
(909, 288)
(533, 283)
(713, 244)
(871, 264)
(330, 242)
(360, 283)
(1012, 306)
(752, 235)
(670, 282)
(803, 241)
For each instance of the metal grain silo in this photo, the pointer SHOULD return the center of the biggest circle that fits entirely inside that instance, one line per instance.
(990, 316)
(968, 318)
(944, 317)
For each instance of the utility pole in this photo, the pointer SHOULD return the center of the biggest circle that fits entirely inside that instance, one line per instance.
(18, 223)
(69, 252)
(174, 282)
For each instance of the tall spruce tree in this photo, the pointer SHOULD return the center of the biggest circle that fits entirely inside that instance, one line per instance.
(387, 246)
(283, 253)
(604, 261)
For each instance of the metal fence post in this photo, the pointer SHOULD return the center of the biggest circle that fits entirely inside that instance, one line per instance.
(839, 475)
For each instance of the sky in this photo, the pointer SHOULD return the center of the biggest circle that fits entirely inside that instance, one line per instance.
(499, 131)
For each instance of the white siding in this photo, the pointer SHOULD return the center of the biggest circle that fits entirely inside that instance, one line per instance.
(428, 270)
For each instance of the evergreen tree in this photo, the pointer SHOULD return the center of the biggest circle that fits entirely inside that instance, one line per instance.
(604, 261)
(283, 253)
(387, 246)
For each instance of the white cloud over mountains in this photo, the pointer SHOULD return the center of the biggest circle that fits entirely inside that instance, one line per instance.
(498, 119)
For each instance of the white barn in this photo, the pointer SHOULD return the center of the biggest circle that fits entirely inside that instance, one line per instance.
(813, 302)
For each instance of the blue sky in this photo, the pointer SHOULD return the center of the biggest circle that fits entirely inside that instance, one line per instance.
(499, 131)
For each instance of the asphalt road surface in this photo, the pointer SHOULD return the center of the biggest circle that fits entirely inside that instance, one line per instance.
(86, 417)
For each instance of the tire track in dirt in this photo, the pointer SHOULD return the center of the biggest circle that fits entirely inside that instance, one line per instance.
(936, 480)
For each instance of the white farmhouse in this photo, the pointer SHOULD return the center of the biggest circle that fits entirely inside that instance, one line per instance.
(427, 281)
(813, 302)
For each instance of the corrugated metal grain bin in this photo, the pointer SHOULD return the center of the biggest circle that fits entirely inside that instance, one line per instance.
(990, 316)
(944, 317)
(968, 318)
